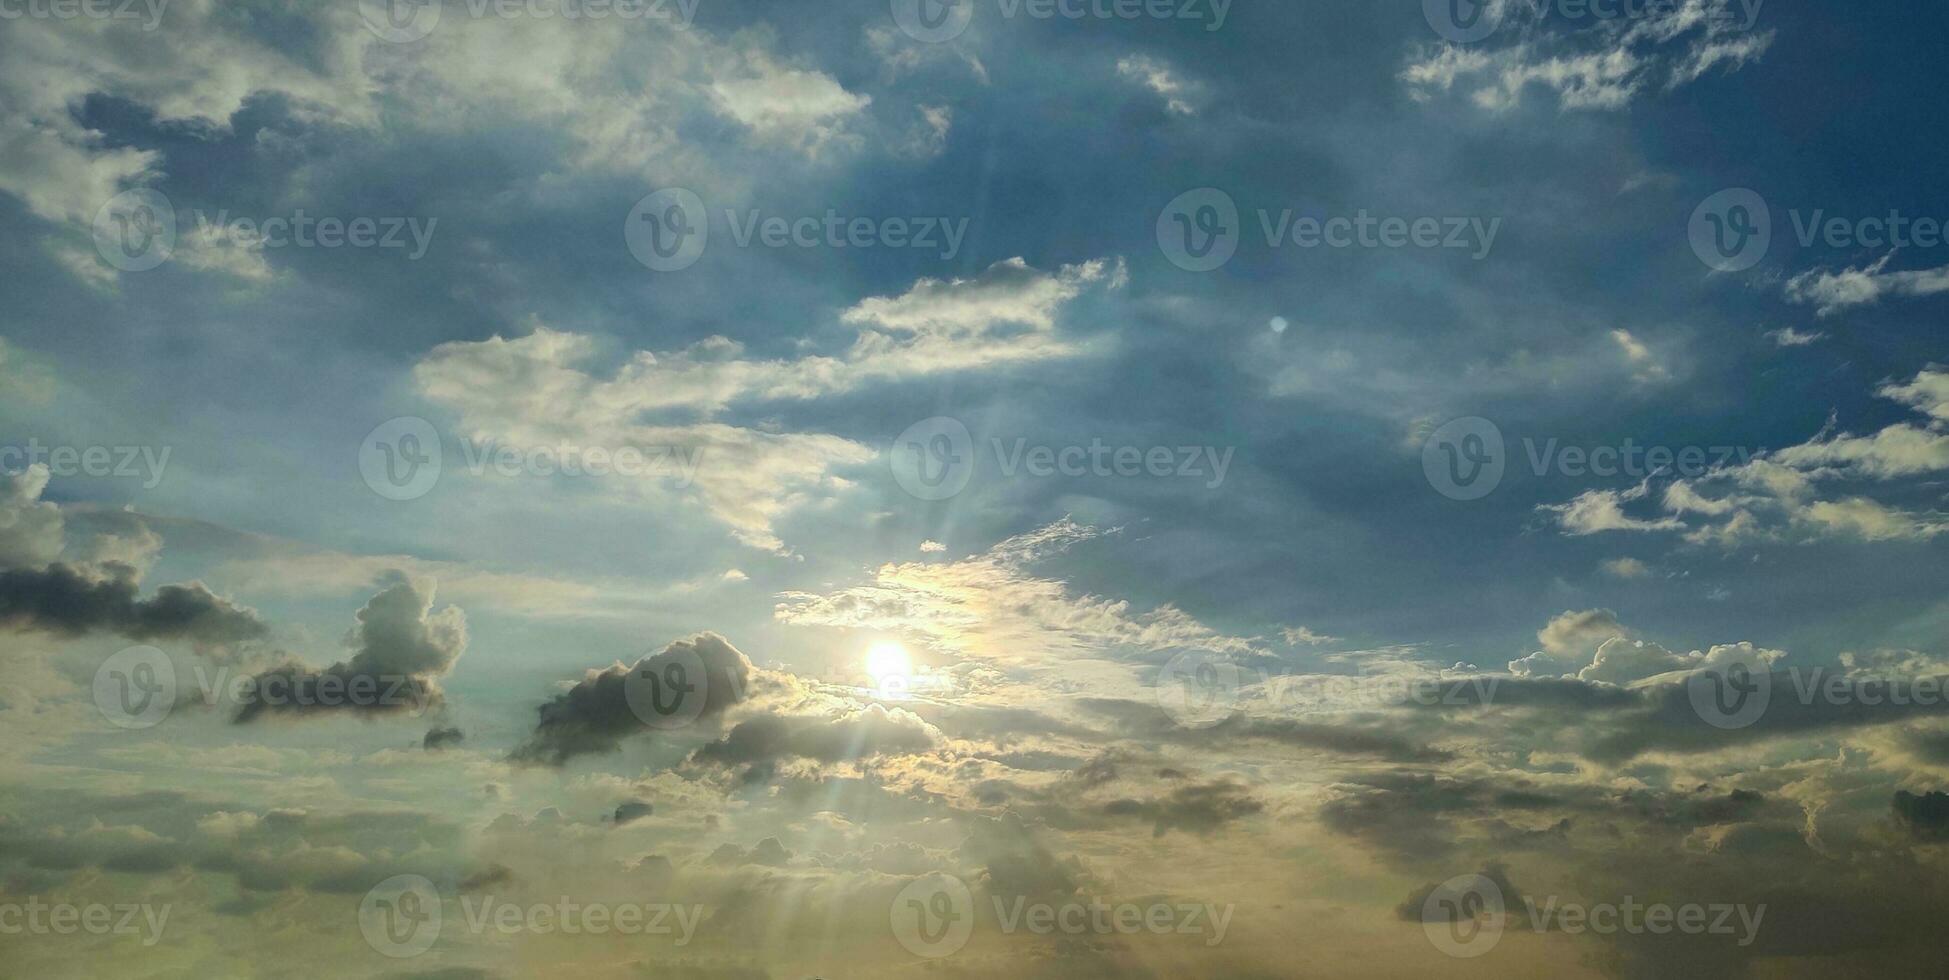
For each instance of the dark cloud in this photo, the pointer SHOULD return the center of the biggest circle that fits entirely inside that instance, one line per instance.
(595, 715)
(1201, 808)
(1152, 723)
(441, 737)
(75, 600)
(870, 731)
(401, 648)
(1925, 815)
(629, 810)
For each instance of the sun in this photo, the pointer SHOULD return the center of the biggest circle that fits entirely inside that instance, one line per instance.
(890, 666)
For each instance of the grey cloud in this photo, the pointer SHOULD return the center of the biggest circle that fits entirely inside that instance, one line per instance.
(594, 716)
(401, 649)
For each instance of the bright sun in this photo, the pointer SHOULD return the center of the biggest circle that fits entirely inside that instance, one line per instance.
(888, 665)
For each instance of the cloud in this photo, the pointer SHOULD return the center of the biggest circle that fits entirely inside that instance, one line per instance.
(401, 649)
(1625, 568)
(1831, 292)
(1774, 495)
(75, 599)
(1603, 68)
(870, 731)
(535, 390)
(594, 715)
(993, 607)
(441, 737)
(1597, 511)
(1160, 79)
(1789, 337)
(1201, 808)
(631, 810)
(1923, 815)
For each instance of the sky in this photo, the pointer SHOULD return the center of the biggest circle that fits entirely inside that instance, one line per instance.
(893, 488)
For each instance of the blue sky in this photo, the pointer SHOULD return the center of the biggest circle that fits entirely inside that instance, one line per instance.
(1035, 294)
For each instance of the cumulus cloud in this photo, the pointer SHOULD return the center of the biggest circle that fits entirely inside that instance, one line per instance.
(38, 592)
(595, 714)
(400, 650)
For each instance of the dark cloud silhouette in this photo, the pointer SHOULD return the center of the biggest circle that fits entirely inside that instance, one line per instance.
(75, 600)
(441, 737)
(401, 649)
(1925, 815)
(629, 810)
(595, 715)
(769, 738)
(1201, 808)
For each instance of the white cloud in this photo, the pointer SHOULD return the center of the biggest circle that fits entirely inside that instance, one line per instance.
(1156, 76)
(991, 606)
(1789, 337)
(1601, 68)
(1834, 291)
